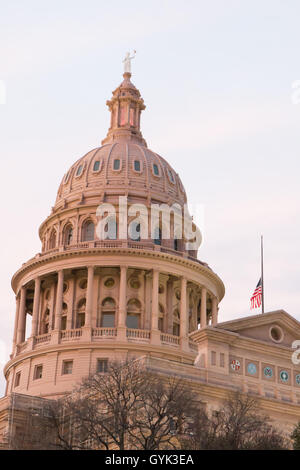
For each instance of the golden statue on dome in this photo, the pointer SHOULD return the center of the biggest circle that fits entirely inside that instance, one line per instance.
(127, 62)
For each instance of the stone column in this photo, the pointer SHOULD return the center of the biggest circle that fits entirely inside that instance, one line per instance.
(214, 311)
(170, 288)
(183, 308)
(203, 318)
(22, 317)
(121, 328)
(36, 306)
(59, 300)
(89, 297)
(72, 282)
(155, 333)
(52, 307)
(16, 322)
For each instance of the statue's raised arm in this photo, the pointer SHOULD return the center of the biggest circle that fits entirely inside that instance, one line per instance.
(127, 62)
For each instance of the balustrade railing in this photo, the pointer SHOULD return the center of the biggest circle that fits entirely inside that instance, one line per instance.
(41, 339)
(138, 334)
(170, 339)
(71, 334)
(119, 244)
(104, 332)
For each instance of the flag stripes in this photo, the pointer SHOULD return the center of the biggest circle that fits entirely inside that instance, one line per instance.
(256, 296)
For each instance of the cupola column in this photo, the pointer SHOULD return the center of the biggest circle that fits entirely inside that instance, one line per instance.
(214, 311)
(89, 297)
(22, 317)
(36, 306)
(59, 300)
(155, 309)
(203, 317)
(183, 308)
(122, 297)
(16, 321)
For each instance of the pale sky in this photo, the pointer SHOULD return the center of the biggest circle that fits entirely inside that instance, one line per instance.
(216, 77)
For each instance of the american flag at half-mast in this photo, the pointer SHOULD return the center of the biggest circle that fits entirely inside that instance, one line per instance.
(256, 296)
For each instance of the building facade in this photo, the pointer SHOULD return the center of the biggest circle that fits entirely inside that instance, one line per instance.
(90, 300)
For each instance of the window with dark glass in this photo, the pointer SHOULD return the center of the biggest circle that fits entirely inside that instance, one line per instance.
(79, 170)
(155, 169)
(88, 232)
(17, 379)
(96, 166)
(132, 321)
(137, 165)
(67, 367)
(38, 372)
(157, 236)
(116, 164)
(102, 365)
(108, 320)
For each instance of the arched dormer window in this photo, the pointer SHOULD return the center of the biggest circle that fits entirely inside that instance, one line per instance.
(108, 312)
(52, 240)
(68, 234)
(80, 317)
(88, 231)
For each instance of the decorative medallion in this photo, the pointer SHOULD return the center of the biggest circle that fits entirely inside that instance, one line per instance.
(297, 378)
(251, 368)
(235, 364)
(268, 372)
(284, 376)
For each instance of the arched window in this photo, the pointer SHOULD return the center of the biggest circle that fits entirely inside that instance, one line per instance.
(52, 240)
(157, 236)
(108, 312)
(68, 235)
(80, 320)
(88, 231)
(133, 313)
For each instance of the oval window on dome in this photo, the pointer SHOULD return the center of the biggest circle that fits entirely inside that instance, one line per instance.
(66, 177)
(155, 169)
(117, 164)
(137, 166)
(79, 170)
(171, 176)
(97, 166)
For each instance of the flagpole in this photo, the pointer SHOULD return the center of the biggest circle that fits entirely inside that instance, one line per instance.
(262, 275)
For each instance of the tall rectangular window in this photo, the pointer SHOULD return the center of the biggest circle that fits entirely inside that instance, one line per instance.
(38, 372)
(17, 379)
(67, 367)
(222, 360)
(108, 320)
(102, 365)
(213, 358)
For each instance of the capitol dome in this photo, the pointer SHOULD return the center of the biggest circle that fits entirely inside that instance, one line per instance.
(93, 300)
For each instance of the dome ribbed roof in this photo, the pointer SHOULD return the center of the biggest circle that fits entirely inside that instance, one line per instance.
(139, 172)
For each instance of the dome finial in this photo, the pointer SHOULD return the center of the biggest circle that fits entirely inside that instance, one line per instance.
(127, 62)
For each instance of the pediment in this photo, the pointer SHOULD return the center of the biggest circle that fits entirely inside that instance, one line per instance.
(277, 328)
